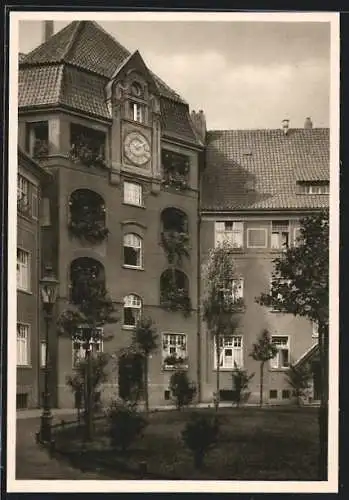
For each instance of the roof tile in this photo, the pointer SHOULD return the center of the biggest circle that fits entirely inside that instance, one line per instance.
(39, 86)
(259, 169)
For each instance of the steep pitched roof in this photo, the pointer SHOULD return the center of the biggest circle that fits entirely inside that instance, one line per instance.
(88, 46)
(259, 169)
(73, 68)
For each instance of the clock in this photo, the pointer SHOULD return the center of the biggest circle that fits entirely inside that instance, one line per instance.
(137, 148)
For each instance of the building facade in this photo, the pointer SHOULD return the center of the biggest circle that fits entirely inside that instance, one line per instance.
(257, 186)
(31, 180)
(134, 173)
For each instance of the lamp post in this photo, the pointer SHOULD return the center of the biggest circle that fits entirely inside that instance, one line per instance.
(48, 289)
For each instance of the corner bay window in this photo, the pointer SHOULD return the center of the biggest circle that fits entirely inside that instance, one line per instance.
(22, 344)
(174, 348)
(230, 231)
(231, 352)
(133, 194)
(132, 310)
(282, 358)
(132, 250)
(280, 234)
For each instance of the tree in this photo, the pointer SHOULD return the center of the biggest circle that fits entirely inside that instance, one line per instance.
(241, 380)
(145, 339)
(298, 378)
(263, 350)
(182, 389)
(200, 435)
(300, 287)
(222, 305)
(99, 375)
(83, 323)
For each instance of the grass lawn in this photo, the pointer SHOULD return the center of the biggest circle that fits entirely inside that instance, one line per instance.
(255, 444)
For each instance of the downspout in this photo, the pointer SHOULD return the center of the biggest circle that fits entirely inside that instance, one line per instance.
(198, 308)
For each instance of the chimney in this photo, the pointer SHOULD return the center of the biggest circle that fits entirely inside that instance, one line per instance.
(48, 30)
(285, 126)
(308, 124)
(199, 123)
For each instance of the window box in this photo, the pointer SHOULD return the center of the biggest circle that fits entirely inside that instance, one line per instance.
(92, 231)
(176, 300)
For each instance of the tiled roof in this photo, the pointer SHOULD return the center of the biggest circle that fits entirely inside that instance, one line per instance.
(73, 67)
(259, 169)
(88, 46)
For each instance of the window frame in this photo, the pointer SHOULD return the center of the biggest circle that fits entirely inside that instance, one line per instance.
(137, 109)
(127, 326)
(254, 247)
(27, 362)
(223, 339)
(92, 342)
(165, 351)
(230, 233)
(28, 268)
(139, 248)
(280, 233)
(131, 199)
(275, 363)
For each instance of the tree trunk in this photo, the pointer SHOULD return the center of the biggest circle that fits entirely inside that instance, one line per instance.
(261, 384)
(146, 392)
(323, 409)
(216, 401)
(88, 398)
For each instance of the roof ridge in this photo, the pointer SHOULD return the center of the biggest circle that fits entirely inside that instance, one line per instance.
(72, 39)
(265, 129)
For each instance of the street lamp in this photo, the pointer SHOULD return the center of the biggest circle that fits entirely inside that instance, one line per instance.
(48, 289)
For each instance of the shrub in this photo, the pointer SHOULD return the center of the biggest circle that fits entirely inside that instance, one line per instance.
(182, 390)
(241, 380)
(125, 425)
(200, 435)
(130, 375)
(298, 377)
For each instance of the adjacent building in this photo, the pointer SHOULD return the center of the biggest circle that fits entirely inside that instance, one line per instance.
(31, 180)
(134, 173)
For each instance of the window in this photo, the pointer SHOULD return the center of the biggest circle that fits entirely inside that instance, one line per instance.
(133, 194)
(280, 234)
(285, 394)
(132, 250)
(95, 345)
(87, 145)
(21, 401)
(238, 288)
(43, 354)
(137, 112)
(27, 197)
(282, 358)
(85, 273)
(230, 352)
(314, 187)
(174, 347)
(37, 139)
(257, 237)
(273, 394)
(132, 310)
(230, 231)
(22, 344)
(296, 236)
(315, 330)
(23, 270)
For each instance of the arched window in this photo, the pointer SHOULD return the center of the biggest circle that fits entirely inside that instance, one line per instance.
(85, 274)
(87, 215)
(133, 250)
(132, 310)
(174, 290)
(173, 219)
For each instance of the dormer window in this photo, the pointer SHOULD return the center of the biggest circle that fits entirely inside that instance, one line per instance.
(322, 187)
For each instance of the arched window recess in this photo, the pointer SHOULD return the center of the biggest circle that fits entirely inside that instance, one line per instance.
(87, 216)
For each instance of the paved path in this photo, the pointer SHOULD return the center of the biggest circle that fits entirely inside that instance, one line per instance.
(34, 462)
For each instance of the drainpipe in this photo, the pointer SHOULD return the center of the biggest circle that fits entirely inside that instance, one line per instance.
(198, 236)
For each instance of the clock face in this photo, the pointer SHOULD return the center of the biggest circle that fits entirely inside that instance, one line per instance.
(137, 148)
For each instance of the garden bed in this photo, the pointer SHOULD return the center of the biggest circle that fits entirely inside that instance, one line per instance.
(254, 444)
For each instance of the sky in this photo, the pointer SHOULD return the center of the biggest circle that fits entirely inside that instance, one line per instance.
(243, 75)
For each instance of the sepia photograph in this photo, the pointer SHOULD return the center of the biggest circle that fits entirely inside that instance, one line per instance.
(176, 297)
